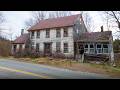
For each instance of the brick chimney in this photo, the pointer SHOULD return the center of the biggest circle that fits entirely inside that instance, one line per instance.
(101, 28)
(22, 31)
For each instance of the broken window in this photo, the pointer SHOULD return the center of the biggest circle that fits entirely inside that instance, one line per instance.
(65, 47)
(65, 32)
(99, 48)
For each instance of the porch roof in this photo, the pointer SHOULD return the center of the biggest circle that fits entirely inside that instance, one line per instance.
(95, 37)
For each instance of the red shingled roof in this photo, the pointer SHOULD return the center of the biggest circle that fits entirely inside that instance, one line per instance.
(55, 22)
(22, 39)
(95, 36)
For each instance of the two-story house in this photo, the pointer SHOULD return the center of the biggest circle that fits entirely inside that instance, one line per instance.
(57, 34)
(67, 35)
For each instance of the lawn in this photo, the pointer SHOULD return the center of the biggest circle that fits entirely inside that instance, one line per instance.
(74, 65)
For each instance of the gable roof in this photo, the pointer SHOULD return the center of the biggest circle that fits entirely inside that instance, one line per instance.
(55, 22)
(95, 36)
(22, 39)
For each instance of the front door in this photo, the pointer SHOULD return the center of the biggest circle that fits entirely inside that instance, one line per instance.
(47, 49)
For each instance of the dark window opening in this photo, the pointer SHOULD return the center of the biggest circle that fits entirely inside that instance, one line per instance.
(65, 32)
(58, 45)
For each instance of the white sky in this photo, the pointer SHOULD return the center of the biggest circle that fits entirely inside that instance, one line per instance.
(15, 21)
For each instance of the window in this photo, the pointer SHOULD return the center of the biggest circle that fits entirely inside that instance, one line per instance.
(32, 35)
(99, 48)
(86, 48)
(92, 51)
(58, 33)
(32, 45)
(38, 34)
(105, 48)
(37, 47)
(65, 47)
(65, 32)
(58, 45)
(47, 33)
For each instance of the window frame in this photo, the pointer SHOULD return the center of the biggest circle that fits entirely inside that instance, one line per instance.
(66, 49)
(106, 48)
(86, 49)
(99, 49)
(47, 33)
(90, 49)
(38, 34)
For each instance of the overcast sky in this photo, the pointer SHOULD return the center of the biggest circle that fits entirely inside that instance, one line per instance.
(15, 21)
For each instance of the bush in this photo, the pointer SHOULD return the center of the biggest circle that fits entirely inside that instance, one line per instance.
(58, 55)
(28, 53)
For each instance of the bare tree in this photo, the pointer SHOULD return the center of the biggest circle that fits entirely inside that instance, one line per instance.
(88, 21)
(37, 16)
(56, 14)
(113, 21)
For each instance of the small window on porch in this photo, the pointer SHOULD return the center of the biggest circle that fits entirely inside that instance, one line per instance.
(105, 48)
(92, 50)
(99, 48)
(86, 48)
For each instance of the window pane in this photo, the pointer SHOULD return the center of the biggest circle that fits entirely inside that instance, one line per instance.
(98, 46)
(91, 46)
(65, 47)
(105, 46)
(91, 51)
(86, 46)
